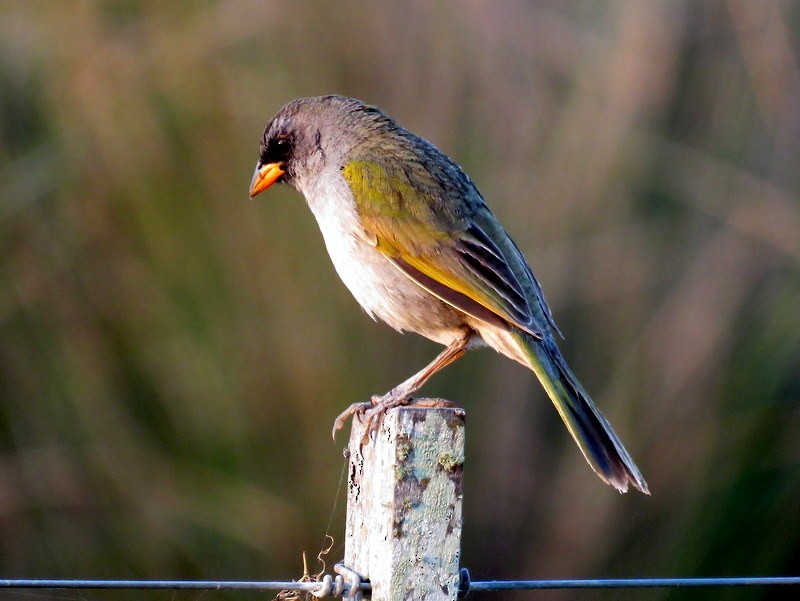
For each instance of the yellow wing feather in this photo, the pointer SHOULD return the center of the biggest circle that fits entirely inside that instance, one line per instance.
(441, 250)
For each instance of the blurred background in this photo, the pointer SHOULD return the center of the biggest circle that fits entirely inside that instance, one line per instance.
(172, 354)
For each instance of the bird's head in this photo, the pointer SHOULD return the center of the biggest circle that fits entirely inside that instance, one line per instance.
(309, 136)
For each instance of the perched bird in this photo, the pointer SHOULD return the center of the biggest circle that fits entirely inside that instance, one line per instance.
(414, 241)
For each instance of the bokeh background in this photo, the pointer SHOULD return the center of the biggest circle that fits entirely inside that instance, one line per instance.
(172, 354)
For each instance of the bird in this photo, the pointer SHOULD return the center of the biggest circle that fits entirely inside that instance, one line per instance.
(414, 241)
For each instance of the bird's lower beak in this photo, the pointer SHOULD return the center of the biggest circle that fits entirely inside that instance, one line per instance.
(264, 177)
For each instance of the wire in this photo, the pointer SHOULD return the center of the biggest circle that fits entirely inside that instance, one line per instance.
(219, 585)
(510, 585)
(488, 585)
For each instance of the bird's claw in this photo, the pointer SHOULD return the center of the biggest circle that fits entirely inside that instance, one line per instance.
(358, 409)
(373, 416)
(371, 413)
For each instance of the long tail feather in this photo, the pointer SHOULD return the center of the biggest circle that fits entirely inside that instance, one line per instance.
(594, 435)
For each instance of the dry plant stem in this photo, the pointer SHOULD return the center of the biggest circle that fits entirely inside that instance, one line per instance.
(373, 410)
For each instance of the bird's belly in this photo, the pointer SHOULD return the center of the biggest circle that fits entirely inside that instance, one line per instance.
(387, 294)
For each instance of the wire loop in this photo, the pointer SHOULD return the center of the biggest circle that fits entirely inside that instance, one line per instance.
(353, 579)
(346, 584)
(464, 582)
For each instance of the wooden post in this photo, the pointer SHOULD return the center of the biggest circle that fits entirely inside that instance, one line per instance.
(404, 498)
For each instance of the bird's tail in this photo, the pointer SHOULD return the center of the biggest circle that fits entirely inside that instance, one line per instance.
(594, 435)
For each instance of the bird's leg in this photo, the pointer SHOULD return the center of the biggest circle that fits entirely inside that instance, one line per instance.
(376, 407)
(404, 391)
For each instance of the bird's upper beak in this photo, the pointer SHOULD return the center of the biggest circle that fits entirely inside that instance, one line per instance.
(264, 177)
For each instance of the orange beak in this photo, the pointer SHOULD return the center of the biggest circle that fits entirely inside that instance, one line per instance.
(264, 177)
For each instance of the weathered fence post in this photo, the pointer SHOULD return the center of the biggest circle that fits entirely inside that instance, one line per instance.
(404, 498)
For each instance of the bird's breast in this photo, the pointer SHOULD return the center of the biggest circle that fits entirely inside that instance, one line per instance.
(380, 288)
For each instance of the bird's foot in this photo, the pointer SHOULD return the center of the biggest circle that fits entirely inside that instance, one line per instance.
(358, 409)
(371, 412)
(373, 416)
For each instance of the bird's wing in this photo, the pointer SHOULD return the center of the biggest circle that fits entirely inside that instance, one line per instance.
(456, 256)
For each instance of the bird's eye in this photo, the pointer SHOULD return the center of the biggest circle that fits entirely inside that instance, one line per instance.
(281, 149)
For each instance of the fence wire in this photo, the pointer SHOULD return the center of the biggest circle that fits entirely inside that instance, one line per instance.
(512, 585)
(467, 585)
